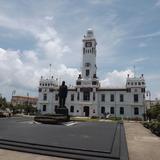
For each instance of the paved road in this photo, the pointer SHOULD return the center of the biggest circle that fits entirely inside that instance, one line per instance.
(142, 144)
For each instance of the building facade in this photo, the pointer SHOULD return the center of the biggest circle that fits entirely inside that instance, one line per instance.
(24, 100)
(87, 98)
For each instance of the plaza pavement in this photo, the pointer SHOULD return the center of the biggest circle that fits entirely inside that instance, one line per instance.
(84, 140)
(142, 144)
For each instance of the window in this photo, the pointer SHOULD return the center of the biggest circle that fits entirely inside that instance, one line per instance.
(112, 110)
(56, 106)
(102, 110)
(51, 89)
(72, 109)
(94, 82)
(94, 96)
(78, 83)
(56, 97)
(86, 96)
(78, 96)
(87, 72)
(135, 97)
(136, 111)
(44, 107)
(142, 89)
(139, 83)
(128, 83)
(72, 97)
(121, 110)
(135, 83)
(45, 96)
(40, 89)
(112, 97)
(102, 97)
(128, 89)
(87, 64)
(121, 98)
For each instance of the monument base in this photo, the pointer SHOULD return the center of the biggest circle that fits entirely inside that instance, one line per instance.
(63, 111)
(58, 118)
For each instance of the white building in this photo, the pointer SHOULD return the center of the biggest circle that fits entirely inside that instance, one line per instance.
(87, 98)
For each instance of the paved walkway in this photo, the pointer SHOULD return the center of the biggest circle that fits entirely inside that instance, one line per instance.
(14, 155)
(142, 144)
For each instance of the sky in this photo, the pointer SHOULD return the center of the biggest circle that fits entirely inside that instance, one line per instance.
(36, 33)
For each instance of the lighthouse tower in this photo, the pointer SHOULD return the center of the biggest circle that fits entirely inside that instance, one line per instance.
(88, 78)
(89, 56)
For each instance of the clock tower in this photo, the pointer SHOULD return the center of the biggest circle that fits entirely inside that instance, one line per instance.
(89, 56)
(88, 78)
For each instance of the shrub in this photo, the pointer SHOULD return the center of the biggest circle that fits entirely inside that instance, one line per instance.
(115, 118)
(94, 117)
(154, 126)
(158, 118)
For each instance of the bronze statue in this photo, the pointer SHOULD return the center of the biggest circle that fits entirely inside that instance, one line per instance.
(63, 90)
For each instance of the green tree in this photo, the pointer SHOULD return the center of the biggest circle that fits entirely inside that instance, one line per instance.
(153, 112)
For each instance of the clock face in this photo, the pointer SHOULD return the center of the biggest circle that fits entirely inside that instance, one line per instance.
(88, 44)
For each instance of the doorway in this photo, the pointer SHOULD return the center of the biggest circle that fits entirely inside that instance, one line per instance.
(86, 111)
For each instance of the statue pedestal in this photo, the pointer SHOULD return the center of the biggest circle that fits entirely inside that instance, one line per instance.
(63, 111)
(61, 115)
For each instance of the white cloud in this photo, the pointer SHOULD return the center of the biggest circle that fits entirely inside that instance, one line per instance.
(70, 74)
(149, 35)
(116, 78)
(139, 60)
(22, 70)
(50, 18)
(48, 40)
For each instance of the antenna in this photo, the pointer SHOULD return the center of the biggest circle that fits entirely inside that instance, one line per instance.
(134, 70)
(50, 70)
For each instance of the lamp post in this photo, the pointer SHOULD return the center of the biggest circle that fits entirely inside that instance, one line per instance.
(13, 93)
(148, 94)
(27, 103)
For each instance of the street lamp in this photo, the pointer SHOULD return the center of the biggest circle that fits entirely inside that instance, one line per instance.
(27, 103)
(148, 94)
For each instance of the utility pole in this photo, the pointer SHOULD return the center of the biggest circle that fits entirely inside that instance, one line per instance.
(27, 103)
